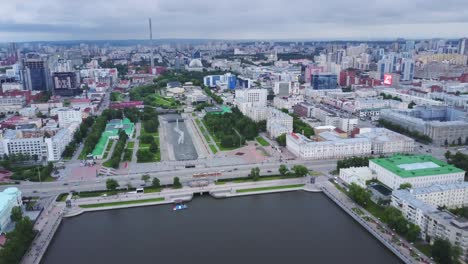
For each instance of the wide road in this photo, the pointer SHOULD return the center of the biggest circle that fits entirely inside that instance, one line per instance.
(166, 177)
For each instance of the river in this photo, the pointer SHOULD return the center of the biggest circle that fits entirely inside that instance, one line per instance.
(293, 227)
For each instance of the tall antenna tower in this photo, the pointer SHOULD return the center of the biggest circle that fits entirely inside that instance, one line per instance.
(151, 45)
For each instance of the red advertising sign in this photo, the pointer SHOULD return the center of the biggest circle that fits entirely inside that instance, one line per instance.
(388, 79)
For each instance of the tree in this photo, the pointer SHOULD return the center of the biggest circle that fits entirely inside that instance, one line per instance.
(405, 185)
(413, 232)
(444, 252)
(255, 173)
(446, 142)
(144, 155)
(156, 183)
(411, 105)
(447, 154)
(176, 184)
(283, 169)
(16, 213)
(459, 141)
(112, 184)
(300, 171)
(146, 139)
(360, 195)
(145, 178)
(153, 147)
(281, 140)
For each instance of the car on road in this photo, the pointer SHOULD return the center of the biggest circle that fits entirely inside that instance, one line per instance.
(34, 191)
(65, 184)
(235, 169)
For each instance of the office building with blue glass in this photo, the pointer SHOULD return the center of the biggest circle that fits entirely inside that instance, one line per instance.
(228, 81)
(324, 81)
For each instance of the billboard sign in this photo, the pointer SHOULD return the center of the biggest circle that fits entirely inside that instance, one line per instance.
(388, 79)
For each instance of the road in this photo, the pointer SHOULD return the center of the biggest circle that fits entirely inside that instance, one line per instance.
(166, 177)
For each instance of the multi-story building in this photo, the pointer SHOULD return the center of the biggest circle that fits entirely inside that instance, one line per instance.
(420, 207)
(407, 70)
(65, 83)
(324, 81)
(14, 142)
(278, 123)
(442, 124)
(463, 46)
(227, 80)
(333, 147)
(11, 103)
(385, 141)
(9, 198)
(68, 116)
(35, 75)
(11, 86)
(252, 103)
(56, 145)
(418, 170)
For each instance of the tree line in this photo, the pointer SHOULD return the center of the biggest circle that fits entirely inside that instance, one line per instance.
(391, 215)
(78, 137)
(458, 160)
(116, 157)
(18, 241)
(352, 162)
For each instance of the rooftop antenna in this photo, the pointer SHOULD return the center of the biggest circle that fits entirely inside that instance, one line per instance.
(151, 45)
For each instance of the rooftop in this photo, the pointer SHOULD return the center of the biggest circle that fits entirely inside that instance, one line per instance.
(415, 166)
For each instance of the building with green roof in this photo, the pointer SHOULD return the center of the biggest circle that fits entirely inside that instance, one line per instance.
(112, 132)
(418, 170)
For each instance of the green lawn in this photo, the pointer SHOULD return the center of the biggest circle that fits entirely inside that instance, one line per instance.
(156, 156)
(270, 188)
(262, 141)
(262, 178)
(163, 101)
(375, 209)
(130, 145)
(62, 197)
(159, 199)
(213, 149)
(424, 248)
(152, 190)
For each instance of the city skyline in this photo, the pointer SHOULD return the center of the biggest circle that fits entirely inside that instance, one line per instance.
(49, 20)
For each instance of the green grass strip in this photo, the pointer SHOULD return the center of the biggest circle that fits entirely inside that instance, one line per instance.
(262, 141)
(123, 203)
(269, 188)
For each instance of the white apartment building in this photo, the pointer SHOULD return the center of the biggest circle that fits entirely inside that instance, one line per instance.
(13, 142)
(256, 113)
(334, 147)
(419, 171)
(419, 206)
(385, 141)
(287, 102)
(68, 116)
(278, 123)
(252, 103)
(11, 86)
(56, 145)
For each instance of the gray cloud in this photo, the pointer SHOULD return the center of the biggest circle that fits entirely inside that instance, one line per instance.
(22, 20)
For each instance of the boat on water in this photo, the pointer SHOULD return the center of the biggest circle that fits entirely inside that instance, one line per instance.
(178, 207)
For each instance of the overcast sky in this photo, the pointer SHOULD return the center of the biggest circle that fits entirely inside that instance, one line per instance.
(28, 20)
